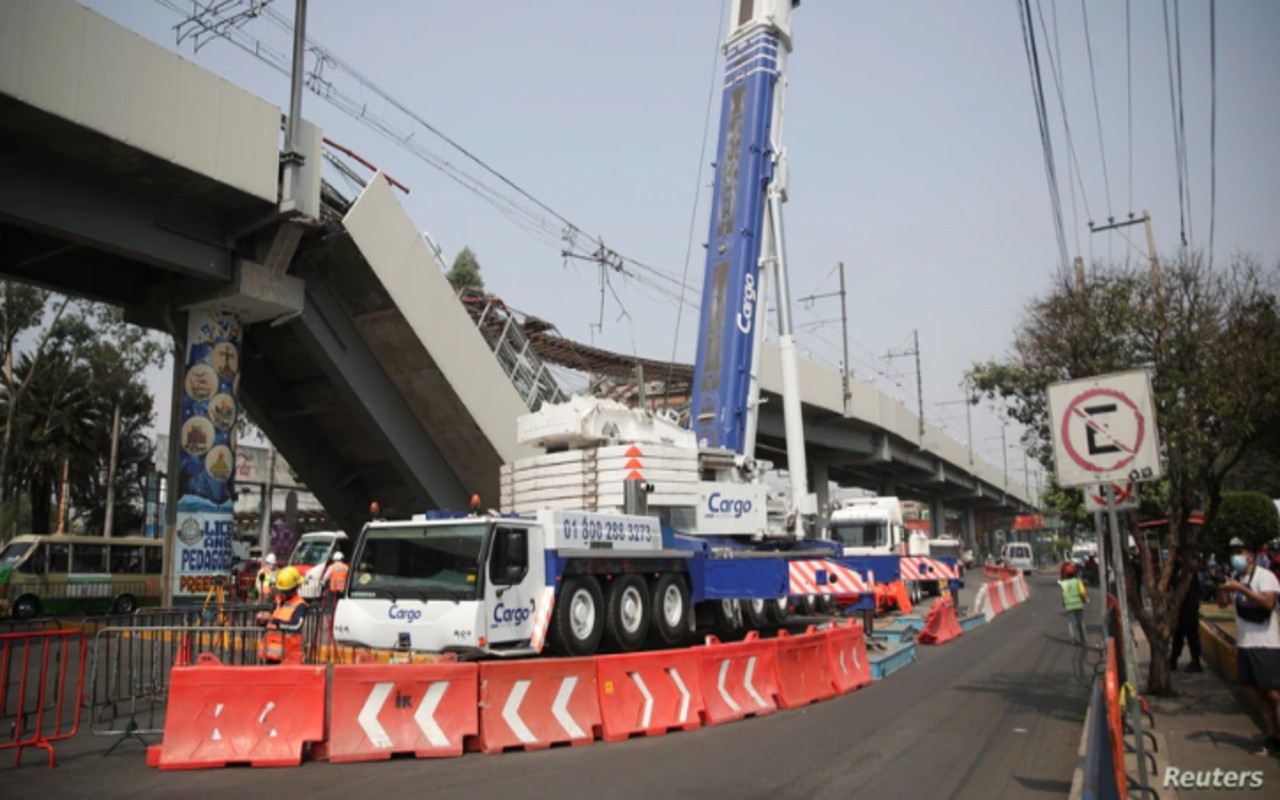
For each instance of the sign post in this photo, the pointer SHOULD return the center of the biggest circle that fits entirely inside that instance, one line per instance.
(1104, 432)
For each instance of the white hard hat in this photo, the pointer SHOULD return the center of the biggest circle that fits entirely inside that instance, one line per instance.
(271, 558)
(338, 556)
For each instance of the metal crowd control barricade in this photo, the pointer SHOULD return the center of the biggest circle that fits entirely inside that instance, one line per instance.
(41, 687)
(131, 664)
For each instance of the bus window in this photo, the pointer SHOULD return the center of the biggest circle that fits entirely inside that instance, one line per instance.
(35, 564)
(154, 563)
(125, 558)
(14, 553)
(59, 557)
(89, 559)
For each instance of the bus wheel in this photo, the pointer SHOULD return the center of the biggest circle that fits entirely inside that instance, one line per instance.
(669, 607)
(627, 617)
(755, 614)
(125, 604)
(727, 619)
(579, 616)
(26, 607)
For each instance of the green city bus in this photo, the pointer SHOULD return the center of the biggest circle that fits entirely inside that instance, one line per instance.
(57, 574)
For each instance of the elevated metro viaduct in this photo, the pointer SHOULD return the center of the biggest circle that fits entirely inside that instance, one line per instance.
(130, 175)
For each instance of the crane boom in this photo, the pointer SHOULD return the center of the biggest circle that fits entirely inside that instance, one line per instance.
(745, 248)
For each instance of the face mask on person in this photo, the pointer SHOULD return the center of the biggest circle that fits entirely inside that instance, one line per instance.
(1239, 562)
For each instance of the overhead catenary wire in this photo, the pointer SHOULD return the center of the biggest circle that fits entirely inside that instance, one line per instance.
(1128, 59)
(1058, 70)
(1097, 109)
(1178, 144)
(535, 217)
(1037, 92)
(1213, 124)
(697, 186)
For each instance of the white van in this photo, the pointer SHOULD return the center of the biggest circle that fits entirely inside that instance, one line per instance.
(1018, 556)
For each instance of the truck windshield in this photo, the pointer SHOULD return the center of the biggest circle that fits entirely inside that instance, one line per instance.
(427, 561)
(14, 553)
(860, 534)
(310, 552)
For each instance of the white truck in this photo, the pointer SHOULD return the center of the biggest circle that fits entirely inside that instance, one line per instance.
(873, 529)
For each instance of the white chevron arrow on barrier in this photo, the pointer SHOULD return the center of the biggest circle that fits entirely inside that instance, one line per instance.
(724, 693)
(751, 690)
(511, 713)
(217, 712)
(684, 692)
(560, 708)
(647, 714)
(368, 716)
(425, 715)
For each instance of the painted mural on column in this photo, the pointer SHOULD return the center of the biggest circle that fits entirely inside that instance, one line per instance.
(206, 464)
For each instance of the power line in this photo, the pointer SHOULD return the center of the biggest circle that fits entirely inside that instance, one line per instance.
(1128, 57)
(1182, 119)
(1177, 135)
(1058, 71)
(697, 187)
(1042, 119)
(1213, 123)
(1097, 111)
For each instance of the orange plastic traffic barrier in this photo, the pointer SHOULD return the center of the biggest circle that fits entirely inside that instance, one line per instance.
(220, 715)
(649, 693)
(738, 679)
(537, 703)
(900, 594)
(804, 668)
(381, 709)
(940, 624)
(1006, 597)
(1115, 725)
(847, 655)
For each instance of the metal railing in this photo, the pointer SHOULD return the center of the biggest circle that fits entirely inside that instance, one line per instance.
(527, 372)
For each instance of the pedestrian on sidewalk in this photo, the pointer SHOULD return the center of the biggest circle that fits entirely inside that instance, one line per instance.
(1187, 627)
(1254, 593)
(1073, 599)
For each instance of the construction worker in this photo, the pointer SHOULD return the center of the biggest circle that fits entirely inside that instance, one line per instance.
(335, 578)
(1073, 600)
(283, 640)
(264, 584)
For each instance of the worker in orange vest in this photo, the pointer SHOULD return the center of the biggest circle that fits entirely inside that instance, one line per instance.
(335, 578)
(283, 640)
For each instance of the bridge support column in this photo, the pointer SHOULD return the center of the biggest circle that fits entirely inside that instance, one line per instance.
(937, 517)
(208, 407)
(820, 480)
(969, 524)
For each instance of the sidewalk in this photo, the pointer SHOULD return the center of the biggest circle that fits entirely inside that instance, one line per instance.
(1206, 726)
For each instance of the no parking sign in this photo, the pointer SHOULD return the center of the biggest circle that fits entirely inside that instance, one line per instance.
(1104, 430)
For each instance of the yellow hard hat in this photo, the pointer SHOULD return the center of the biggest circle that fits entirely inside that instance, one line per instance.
(288, 579)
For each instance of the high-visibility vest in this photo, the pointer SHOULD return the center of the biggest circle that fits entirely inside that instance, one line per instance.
(279, 645)
(1072, 596)
(338, 576)
(266, 583)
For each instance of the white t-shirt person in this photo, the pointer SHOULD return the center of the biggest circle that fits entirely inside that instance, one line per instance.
(1259, 634)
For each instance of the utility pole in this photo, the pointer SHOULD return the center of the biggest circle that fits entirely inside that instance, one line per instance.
(845, 375)
(914, 351)
(1151, 243)
(968, 419)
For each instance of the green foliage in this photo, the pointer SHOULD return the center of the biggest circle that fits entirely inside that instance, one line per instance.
(1210, 341)
(466, 272)
(1252, 516)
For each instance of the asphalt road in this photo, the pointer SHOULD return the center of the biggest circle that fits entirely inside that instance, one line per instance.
(995, 713)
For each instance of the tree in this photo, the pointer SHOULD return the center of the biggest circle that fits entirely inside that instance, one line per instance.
(24, 308)
(466, 272)
(1251, 516)
(1211, 341)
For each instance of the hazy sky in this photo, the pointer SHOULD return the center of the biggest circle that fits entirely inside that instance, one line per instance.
(914, 152)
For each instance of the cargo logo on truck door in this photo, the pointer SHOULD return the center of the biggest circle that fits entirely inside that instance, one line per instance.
(514, 616)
